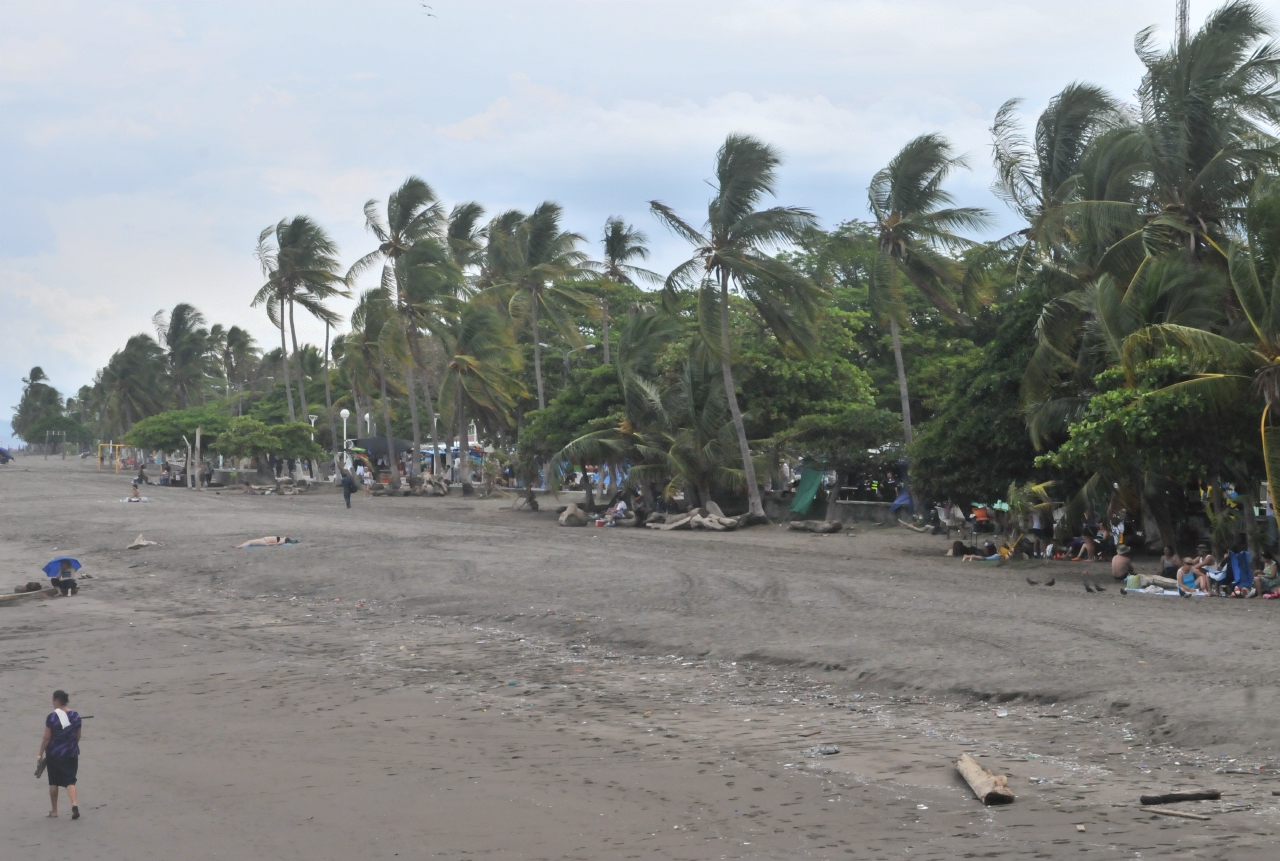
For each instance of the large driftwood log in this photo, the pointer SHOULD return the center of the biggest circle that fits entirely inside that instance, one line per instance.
(822, 527)
(1172, 797)
(991, 788)
(573, 516)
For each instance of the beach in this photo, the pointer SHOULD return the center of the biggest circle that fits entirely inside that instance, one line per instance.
(452, 678)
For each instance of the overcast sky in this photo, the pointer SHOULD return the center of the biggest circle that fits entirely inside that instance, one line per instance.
(143, 146)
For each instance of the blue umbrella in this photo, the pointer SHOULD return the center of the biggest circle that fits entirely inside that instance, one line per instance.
(55, 565)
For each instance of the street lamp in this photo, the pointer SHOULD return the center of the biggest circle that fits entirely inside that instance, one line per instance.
(568, 353)
(346, 414)
(368, 425)
(313, 425)
(240, 389)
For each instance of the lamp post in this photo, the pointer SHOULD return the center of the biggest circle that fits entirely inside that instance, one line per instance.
(567, 353)
(313, 425)
(240, 389)
(368, 425)
(346, 414)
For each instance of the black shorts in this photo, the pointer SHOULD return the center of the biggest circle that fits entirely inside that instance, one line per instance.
(66, 587)
(62, 770)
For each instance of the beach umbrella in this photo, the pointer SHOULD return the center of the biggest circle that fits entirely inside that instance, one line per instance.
(55, 565)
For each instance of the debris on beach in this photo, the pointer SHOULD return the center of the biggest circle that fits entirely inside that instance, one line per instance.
(822, 750)
(140, 542)
(822, 527)
(990, 788)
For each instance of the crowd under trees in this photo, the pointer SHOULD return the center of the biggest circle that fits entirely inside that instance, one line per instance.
(1124, 343)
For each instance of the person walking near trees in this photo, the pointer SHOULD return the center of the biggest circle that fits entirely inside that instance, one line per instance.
(348, 487)
(60, 752)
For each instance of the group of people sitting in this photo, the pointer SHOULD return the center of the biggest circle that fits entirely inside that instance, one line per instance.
(1236, 576)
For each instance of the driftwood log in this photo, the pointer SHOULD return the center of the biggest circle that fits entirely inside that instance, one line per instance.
(573, 516)
(822, 527)
(1181, 814)
(1172, 797)
(990, 788)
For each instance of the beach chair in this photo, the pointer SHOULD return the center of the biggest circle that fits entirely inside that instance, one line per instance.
(1241, 565)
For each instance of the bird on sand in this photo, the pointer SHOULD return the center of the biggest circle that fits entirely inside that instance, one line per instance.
(1033, 582)
(1087, 587)
(1051, 581)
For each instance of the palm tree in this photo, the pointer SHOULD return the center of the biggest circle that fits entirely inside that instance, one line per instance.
(1251, 363)
(377, 334)
(39, 401)
(730, 252)
(622, 243)
(533, 263)
(480, 381)
(414, 214)
(916, 226)
(131, 386)
(302, 267)
(187, 346)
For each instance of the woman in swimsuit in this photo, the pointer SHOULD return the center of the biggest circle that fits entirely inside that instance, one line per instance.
(268, 541)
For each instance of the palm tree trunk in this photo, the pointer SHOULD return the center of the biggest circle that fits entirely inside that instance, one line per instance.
(464, 443)
(902, 380)
(328, 397)
(604, 312)
(302, 383)
(731, 395)
(284, 357)
(906, 407)
(413, 417)
(537, 348)
(431, 417)
(386, 415)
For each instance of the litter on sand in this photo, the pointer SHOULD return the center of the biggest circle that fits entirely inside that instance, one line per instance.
(143, 542)
(822, 750)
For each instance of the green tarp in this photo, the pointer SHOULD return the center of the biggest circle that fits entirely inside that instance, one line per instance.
(810, 481)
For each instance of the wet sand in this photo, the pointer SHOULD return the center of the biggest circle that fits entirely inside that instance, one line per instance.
(453, 679)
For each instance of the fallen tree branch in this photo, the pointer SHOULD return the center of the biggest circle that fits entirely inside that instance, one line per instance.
(1181, 814)
(990, 788)
(1172, 797)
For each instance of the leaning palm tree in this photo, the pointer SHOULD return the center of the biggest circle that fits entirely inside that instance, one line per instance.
(536, 263)
(730, 254)
(622, 243)
(917, 238)
(377, 334)
(302, 267)
(413, 215)
(132, 385)
(482, 361)
(187, 347)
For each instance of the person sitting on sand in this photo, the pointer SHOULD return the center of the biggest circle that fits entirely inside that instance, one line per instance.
(1169, 563)
(1121, 567)
(1267, 582)
(65, 581)
(617, 511)
(268, 541)
(1189, 579)
(1088, 550)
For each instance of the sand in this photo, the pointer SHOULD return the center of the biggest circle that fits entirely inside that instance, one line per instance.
(449, 678)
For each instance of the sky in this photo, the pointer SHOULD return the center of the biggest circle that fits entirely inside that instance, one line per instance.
(144, 146)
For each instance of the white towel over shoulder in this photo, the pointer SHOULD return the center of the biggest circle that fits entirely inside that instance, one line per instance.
(62, 718)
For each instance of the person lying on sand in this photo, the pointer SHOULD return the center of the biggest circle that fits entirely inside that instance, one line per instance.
(989, 553)
(959, 549)
(268, 541)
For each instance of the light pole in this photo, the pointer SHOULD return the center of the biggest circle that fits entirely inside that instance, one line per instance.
(240, 389)
(346, 414)
(568, 353)
(313, 425)
(368, 425)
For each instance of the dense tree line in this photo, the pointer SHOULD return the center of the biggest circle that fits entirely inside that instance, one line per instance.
(1123, 342)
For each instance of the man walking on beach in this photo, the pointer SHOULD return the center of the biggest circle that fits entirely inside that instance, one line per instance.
(60, 753)
(348, 485)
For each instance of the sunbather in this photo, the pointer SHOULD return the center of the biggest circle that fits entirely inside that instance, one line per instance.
(988, 553)
(1190, 578)
(1121, 567)
(268, 541)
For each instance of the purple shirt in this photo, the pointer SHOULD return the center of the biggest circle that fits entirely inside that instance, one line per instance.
(64, 742)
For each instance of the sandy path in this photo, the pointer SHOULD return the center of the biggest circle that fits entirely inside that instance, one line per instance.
(665, 687)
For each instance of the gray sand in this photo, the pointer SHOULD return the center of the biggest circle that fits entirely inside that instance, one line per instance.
(352, 696)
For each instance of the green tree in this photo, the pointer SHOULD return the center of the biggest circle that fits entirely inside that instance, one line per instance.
(534, 263)
(378, 331)
(917, 241)
(39, 401)
(622, 244)
(246, 437)
(731, 252)
(302, 268)
(174, 429)
(188, 350)
(131, 386)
